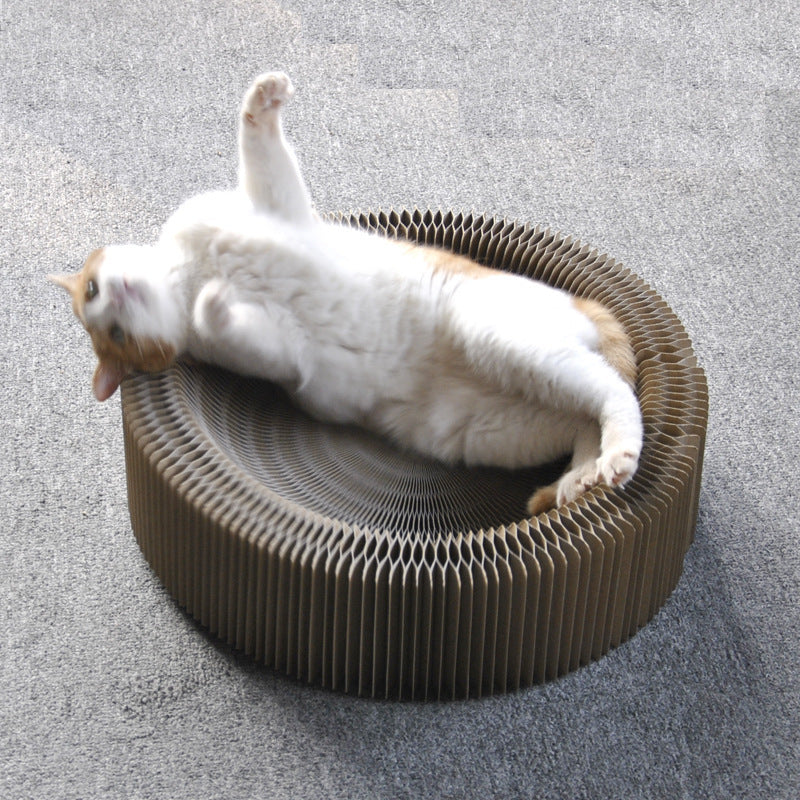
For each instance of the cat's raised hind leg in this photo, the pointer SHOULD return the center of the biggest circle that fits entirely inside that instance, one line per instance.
(268, 170)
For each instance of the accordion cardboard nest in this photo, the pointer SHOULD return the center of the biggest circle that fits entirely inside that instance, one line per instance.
(325, 553)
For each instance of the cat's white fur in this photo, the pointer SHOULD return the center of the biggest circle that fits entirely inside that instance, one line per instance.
(455, 361)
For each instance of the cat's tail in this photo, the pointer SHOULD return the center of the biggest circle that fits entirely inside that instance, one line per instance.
(543, 499)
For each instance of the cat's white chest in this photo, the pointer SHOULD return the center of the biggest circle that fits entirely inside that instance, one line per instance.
(334, 316)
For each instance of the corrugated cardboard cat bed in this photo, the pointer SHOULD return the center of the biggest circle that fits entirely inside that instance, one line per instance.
(325, 553)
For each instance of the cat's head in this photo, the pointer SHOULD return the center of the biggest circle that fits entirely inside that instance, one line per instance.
(129, 316)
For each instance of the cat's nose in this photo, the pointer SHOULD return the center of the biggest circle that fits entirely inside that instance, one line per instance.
(116, 294)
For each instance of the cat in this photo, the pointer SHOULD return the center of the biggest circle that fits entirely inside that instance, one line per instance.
(444, 356)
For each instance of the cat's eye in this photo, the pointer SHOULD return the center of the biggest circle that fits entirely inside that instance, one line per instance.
(116, 334)
(91, 289)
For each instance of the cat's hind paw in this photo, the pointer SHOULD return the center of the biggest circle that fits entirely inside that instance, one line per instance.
(617, 467)
(613, 469)
(574, 483)
(266, 95)
(570, 486)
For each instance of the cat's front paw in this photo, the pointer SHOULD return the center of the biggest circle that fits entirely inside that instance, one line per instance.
(617, 467)
(266, 95)
(213, 308)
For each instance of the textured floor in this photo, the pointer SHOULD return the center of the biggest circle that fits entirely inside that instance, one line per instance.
(664, 133)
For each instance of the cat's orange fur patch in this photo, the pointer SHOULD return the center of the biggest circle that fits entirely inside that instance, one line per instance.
(453, 263)
(614, 344)
(137, 353)
(115, 361)
(543, 500)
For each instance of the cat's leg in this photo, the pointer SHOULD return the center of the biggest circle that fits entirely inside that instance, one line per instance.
(575, 381)
(551, 367)
(579, 478)
(268, 170)
(585, 383)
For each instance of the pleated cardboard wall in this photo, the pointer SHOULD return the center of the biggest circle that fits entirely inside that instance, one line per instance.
(328, 555)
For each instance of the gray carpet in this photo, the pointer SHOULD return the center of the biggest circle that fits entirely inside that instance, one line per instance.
(663, 132)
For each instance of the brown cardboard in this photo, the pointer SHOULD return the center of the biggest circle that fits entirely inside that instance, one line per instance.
(326, 554)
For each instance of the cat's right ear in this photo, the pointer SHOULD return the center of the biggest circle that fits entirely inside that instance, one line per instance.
(107, 378)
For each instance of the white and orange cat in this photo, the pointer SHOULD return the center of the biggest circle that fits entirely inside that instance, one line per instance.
(454, 360)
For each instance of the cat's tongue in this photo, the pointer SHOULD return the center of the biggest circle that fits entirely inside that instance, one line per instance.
(107, 378)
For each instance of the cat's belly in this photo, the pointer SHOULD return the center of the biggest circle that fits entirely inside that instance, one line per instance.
(334, 393)
(446, 413)
(488, 430)
(468, 423)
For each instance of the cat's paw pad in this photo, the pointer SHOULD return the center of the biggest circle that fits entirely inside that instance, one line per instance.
(617, 467)
(268, 92)
(214, 307)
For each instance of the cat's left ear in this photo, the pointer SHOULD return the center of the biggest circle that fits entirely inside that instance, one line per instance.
(107, 378)
(69, 282)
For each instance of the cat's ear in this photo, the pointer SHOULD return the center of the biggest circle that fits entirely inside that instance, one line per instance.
(71, 282)
(107, 378)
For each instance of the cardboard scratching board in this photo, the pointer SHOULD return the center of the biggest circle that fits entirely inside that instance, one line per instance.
(328, 555)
